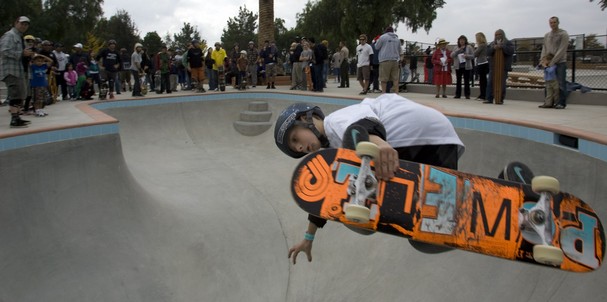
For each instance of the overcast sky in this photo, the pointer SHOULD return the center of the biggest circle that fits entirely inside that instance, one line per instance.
(518, 18)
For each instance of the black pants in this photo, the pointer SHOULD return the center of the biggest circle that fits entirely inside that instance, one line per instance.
(165, 82)
(437, 155)
(459, 74)
(345, 76)
(483, 71)
(60, 80)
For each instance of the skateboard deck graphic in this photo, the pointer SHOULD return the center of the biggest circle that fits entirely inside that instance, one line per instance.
(446, 207)
(498, 75)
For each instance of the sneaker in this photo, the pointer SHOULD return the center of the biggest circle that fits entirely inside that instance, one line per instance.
(559, 107)
(40, 113)
(18, 123)
(517, 172)
(363, 92)
(111, 96)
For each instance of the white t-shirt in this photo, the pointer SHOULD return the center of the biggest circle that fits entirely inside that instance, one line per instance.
(407, 123)
(135, 58)
(363, 52)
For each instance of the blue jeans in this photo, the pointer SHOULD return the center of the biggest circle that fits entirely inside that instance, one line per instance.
(561, 77)
(213, 80)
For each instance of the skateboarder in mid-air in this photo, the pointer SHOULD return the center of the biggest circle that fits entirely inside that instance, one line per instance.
(401, 128)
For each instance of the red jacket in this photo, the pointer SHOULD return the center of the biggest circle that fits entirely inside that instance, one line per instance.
(437, 55)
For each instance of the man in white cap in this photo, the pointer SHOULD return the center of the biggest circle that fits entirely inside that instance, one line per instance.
(12, 71)
(136, 69)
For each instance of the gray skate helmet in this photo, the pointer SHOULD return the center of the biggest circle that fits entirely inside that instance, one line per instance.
(289, 118)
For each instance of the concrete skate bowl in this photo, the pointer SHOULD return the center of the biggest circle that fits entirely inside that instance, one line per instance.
(178, 206)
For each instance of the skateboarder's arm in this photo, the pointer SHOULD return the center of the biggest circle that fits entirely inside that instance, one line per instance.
(305, 245)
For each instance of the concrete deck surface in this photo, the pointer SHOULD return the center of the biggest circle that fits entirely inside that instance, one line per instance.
(180, 207)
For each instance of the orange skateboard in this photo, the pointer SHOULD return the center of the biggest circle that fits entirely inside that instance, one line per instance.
(445, 207)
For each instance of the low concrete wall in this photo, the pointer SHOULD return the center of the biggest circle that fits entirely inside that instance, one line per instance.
(523, 94)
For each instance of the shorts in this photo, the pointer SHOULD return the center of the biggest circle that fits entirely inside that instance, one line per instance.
(363, 73)
(17, 87)
(436, 155)
(389, 71)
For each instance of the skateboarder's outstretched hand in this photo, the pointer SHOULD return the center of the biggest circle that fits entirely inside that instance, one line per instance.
(304, 246)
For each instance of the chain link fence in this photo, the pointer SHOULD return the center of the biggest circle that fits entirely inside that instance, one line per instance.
(585, 66)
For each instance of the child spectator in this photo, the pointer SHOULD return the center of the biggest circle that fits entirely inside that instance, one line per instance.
(81, 69)
(242, 64)
(71, 77)
(551, 82)
(93, 70)
(39, 82)
(87, 90)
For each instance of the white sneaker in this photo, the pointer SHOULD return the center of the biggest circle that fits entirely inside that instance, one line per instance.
(40, 113)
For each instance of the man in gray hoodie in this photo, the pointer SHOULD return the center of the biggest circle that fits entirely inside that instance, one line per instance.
(389, 50)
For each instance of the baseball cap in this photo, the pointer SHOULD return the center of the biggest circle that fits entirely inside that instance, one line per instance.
(23, 19)
(78, 45)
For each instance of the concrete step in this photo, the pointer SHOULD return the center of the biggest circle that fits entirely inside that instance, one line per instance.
(251, 128)
(258, 106)
(255, 116)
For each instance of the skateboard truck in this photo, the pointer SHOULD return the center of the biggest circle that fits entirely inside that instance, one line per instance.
(538, 220)
(362, 187)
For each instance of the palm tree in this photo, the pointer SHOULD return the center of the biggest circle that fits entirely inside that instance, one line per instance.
(266, 21)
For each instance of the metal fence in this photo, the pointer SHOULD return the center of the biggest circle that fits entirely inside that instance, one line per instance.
(587, 67)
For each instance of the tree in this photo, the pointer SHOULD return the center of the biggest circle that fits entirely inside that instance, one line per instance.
(10, 10)
(185, 37)
(266, 21)
(240, 30)
(343, 20)
(93, 43)
(69, 21)
(602, 3)
(152, 42)
(119, 27)
(591, 42)
(284, 37)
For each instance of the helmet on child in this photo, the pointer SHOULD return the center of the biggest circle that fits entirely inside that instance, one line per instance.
(289, 118)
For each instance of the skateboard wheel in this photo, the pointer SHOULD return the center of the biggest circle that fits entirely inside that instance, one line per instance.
(547, 254)
(545, 184)
(367, 149)
(357, 213)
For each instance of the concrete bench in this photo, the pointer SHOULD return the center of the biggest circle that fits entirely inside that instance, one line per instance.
(524, 77)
